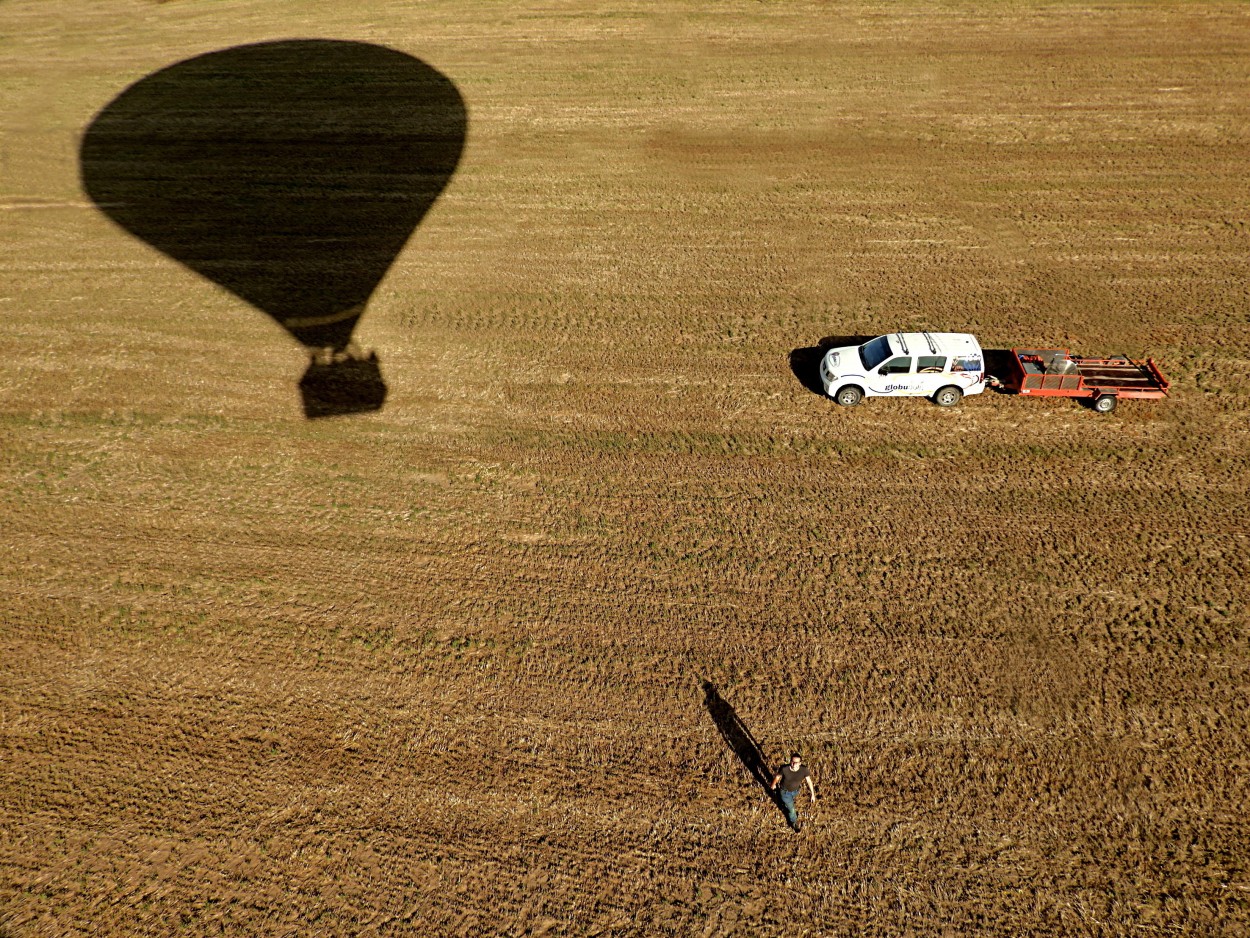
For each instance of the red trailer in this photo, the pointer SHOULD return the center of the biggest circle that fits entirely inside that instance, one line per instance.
(1103, 381)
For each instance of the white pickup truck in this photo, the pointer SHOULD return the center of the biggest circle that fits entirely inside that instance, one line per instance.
(942, 365)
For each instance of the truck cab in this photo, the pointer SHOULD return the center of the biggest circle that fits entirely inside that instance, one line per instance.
(943, 366)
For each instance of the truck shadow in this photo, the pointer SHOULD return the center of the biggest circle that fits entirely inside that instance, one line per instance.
(805, 362)
(740, 740)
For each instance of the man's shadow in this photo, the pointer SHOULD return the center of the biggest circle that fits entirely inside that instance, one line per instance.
(740, 740)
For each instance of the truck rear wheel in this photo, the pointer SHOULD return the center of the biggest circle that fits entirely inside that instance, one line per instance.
(948, 396)
(1105, 403)
(849, 396)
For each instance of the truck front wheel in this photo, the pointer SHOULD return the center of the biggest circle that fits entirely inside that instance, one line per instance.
(948, 396)
(849, 396)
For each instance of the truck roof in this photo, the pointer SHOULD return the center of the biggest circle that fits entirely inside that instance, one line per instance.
(934, 343)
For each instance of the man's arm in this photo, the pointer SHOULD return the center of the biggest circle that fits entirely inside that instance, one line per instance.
(776, 781)
(811, 789)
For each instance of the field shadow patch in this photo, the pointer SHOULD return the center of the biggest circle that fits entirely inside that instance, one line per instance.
(290, 173)
(998, 364)
(805, 362)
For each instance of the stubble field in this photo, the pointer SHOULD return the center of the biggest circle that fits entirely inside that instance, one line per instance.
(494, 659)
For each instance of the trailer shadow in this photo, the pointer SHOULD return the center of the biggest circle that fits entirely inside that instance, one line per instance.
(805, 362)
(740, 740)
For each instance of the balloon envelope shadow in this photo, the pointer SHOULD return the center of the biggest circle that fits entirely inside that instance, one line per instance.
(740, 740)
(291, 173)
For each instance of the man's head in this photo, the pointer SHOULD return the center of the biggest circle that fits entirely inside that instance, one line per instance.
(795, 760)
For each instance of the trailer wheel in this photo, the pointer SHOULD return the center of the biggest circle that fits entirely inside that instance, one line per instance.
(1104, 403)
(849, 396)
(948, 396)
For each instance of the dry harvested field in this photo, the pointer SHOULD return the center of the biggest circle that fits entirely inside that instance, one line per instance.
(496, 658)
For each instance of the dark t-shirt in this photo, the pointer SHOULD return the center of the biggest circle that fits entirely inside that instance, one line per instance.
(792, 779)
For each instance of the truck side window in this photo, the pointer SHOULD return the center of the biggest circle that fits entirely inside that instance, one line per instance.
(897, 366)
(931, 364)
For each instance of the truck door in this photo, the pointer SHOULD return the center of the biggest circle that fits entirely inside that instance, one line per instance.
(893, 378)
(930, 373)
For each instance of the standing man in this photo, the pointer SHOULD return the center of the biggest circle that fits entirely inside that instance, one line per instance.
(791, 778)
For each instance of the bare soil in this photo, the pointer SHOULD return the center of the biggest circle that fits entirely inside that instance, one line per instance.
(501, 657)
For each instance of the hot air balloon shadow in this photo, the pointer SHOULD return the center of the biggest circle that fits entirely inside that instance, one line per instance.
(291, 173)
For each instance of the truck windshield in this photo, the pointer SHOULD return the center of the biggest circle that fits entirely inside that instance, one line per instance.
(875, 352)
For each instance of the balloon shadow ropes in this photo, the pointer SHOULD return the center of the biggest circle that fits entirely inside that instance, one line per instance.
(291, 173)
(740, 740)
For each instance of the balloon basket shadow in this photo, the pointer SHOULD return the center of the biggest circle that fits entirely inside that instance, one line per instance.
(342, 383)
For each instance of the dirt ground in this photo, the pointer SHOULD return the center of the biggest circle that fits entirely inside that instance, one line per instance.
(500, 657)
